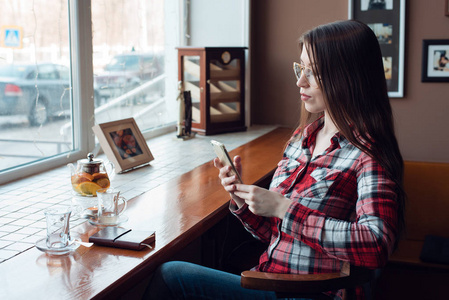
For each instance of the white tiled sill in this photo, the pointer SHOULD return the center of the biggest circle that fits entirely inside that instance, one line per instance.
(23, 202)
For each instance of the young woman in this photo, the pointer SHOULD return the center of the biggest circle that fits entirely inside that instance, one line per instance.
(336, 194)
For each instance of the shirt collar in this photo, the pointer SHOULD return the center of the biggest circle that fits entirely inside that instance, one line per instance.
(312, 128)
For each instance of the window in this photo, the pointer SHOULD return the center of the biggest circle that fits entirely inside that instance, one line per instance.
(49, 96)
(128, 59)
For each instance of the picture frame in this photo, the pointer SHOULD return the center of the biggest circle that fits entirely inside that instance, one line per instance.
(446, 8)
(435, 61)
(123, 144)
(387, 19)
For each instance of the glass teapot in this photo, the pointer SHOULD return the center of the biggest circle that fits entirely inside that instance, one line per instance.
(90, 175)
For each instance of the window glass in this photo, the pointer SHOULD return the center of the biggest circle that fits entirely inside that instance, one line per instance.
(63, 72)
(128, 58)
(35, 101)
(46, 72)
(47, 106)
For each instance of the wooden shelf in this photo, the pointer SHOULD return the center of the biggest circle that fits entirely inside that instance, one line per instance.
(223, 92)
(217, 98)
(225, 75)
(223, 113)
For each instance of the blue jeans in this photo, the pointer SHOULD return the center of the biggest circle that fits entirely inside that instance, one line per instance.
(182, 280)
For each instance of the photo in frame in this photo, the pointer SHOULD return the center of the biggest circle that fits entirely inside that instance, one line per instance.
(435, 61)
(387, 19)
(123, 144)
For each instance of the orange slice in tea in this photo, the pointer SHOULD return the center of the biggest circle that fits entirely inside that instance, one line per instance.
(88, 176)
(81, 177)
(103, 182)
(88, 188)
(96, 176)
(76, 189)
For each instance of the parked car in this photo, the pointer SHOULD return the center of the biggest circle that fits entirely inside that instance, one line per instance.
(36, 90)
(126, 72)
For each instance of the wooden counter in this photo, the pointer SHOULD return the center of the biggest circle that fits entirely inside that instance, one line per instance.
(179, 211)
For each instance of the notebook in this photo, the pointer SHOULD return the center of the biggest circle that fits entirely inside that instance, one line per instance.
(119, 237)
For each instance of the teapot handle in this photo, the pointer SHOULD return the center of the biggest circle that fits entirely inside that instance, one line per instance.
(71, 168)
(110, 169)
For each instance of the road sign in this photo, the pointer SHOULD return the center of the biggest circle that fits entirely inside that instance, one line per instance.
(12, 36)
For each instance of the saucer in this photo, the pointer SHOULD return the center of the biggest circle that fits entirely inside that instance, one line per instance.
(42, 245)
(121, 219)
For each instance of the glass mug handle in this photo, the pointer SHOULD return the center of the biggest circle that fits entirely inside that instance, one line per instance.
(124, 206)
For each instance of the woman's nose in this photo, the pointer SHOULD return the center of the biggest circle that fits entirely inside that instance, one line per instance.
(302, 82)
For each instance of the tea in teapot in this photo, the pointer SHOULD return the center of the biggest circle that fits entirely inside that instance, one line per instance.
(90, 175)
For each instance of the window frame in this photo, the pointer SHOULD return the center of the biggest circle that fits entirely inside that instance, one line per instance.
(80, 39)
(82, 92)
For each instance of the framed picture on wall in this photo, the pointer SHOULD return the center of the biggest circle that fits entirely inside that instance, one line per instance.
(123, 144)
(446, 7)
(435, 61)
(387, 19)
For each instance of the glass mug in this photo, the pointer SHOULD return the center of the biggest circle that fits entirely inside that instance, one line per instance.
(108, 206)
(58, 228)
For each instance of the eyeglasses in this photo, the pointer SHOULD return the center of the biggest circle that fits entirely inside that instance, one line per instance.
(308, 74)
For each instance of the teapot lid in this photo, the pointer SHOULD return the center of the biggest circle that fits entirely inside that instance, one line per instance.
(90, 160)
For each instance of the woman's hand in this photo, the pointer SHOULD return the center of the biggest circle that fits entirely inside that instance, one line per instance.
(263, 202)
(228, 182)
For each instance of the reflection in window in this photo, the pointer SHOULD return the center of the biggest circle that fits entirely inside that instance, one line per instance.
(34, 81)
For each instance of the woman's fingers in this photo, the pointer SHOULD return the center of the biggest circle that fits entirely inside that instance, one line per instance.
(238, 164)
(263, 202)
(217, 163)
(244, 191)
(226, 180)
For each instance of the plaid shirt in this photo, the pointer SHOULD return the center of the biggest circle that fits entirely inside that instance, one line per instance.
(343, 209)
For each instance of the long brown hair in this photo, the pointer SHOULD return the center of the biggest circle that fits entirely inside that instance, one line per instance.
(349, 70)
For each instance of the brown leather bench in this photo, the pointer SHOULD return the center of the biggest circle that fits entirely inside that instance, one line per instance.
(427, 213)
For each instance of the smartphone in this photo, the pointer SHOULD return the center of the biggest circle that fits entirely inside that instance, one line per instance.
(223, 155)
